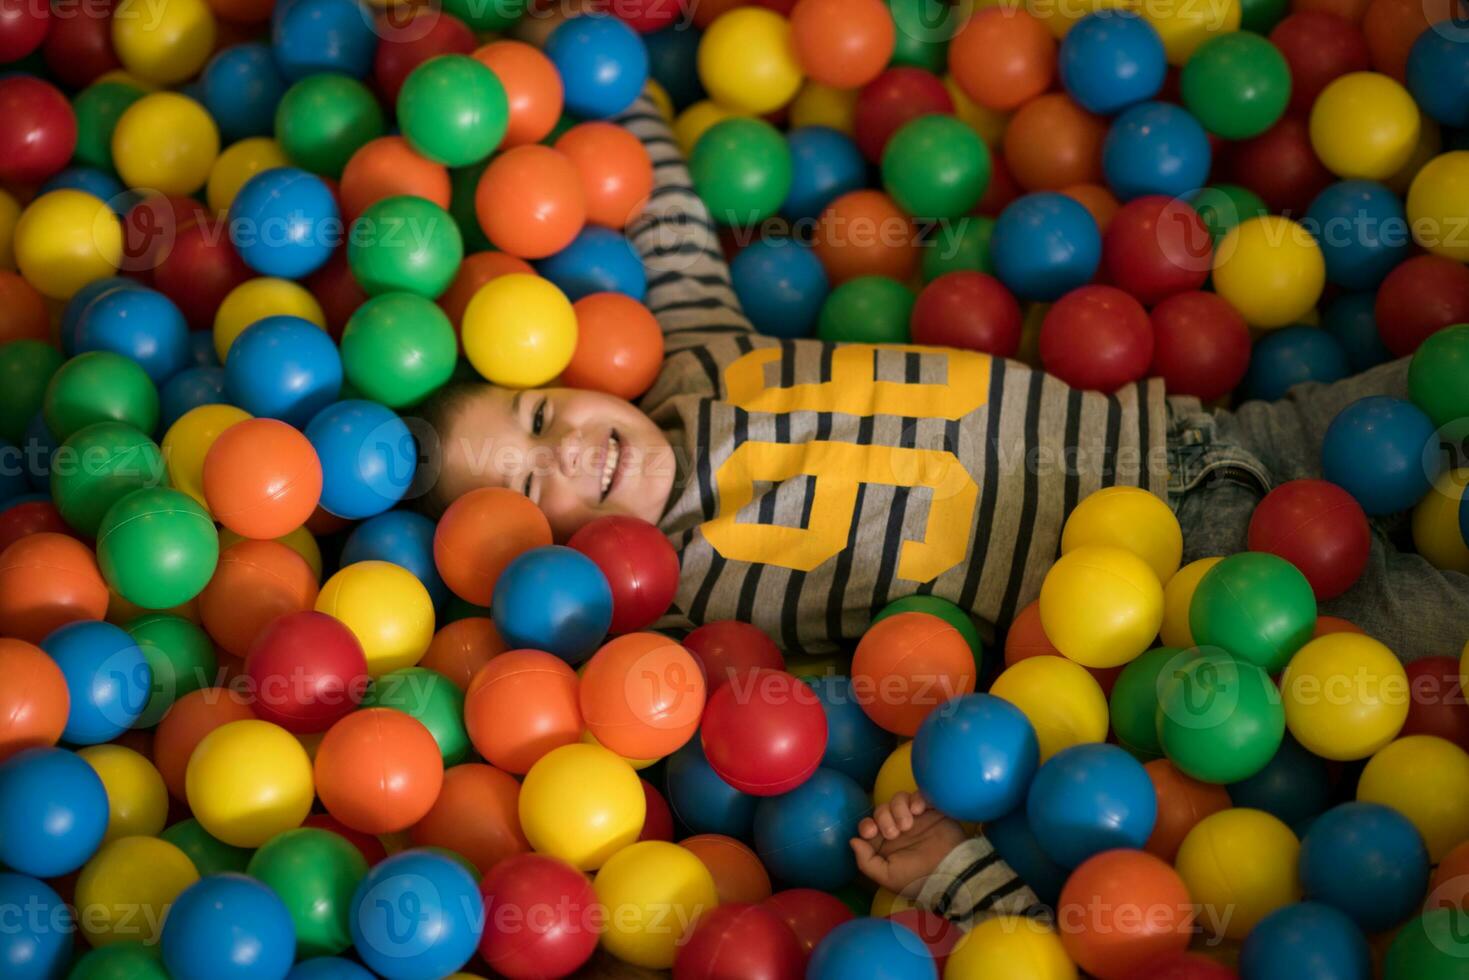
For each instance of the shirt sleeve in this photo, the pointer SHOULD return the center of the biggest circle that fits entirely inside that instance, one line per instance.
(972, 884)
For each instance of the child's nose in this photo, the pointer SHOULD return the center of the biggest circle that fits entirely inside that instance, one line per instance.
(569, 452)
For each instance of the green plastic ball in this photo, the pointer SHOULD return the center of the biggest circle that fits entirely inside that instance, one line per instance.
(404, 244)
(453, 110)
(463, 181)
(1434, 946)
(1261, 16)
(182, 659)
(431, 698)
(314, 872)
(1257, 606)
(210, 855)
(741, 168)
(398, 349)
(1438, 376)
(924, 30)
(26, 367)
(1220, 719)
(157, 547)
(1133, 705)
(98, 107)
(945, 610)
(99, 466)
(99, 386)
(323, 119)
(120, 961)
(959, 246)
(1223, 206)
(1237, 85)
(936, 167)
(487, 15)
(867, 310)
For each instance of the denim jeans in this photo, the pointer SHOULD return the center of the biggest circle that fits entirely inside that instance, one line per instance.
(1222, 462)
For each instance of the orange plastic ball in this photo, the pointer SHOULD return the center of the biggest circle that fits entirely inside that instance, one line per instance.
(474, 272)
(188, 720)
(481, 533)
(1449, 887)
(388, 167)
(530, 201)
(738, 874)
(1391, 27)
(1335, 624)
(254, 583)
(906, 666)
(23, 313)
(46, 581)
(843, 43)
(642, 695)
(1182, 803)
(1099, 201)
(462, 647)
(1121, 909)
(378, 770)
(1003, 57)
(520, 706)
(262, 478)
(1027, 637)
(33, 699)
(864, 233)
(532, 87)
(476, 816)
(619, 346)
(1052, 143)
(708, 11)
(616, 171)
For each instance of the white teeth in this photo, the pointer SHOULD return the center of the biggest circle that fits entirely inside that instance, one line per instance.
(609, 466)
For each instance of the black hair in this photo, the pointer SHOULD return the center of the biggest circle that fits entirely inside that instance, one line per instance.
(436, 414)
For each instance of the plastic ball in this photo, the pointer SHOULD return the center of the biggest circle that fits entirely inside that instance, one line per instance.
(530, 201)
(869, 309)
(1270, 269)
(1419, 777)
(480, 534)
(1237, 85)
(180, 655)
(1220, 719)
(404, 244)
(1377, 450)
(22, 30)
(1418, 298)
(844, 45)
(1319, 528)
(461, 648)
(1051, 144)
(453, 110)
(398, 348)
(165, 142)
(241, 87)
(649, 879)
(1256, 605)
(386, 607)
(1097, 338)
(727, 648)
(107, 679)
(975, 759)
(367, 458)
(616, 172)
(597, 260)
(1364, 125)
(1352, 722)
(764, 732)
(307, 671)
(908, 665)
(871, 945)
(188, 390)
(640, 565)
(126, 888)
(35, 702)
(863, 233)
(801, 836)
(1183, 30)
(1090, 798)
(1308, 936)
(322, 120)
(248, 781)
(228, 925)
(1368, 861)
(40, 131)
(157, 547)
(185, 724)
(1111, 60)
(1239, 860)
(26, 368)
(137, 801)
(702, 800)
(1290, 356)
(1133, 703)
(526, 944)
(533, 89)
(322, 36)
(520, 706)
(1156, 247)
(935, 167)
(48, 580)
(748, 61)
(1182, 803)
(1061, 700)
(97, 467)
(255, 582)
(1045, 245)
(140, 324)
(809, 913)
(1436, 191)
(742, 170)
(65, 240)
(314, 873)
(378, 770)
(1101, 606)
(969, 310)
(404, 538)
(1010, 946)
(431, 699)
(740, 940)
(1360, 225)
(53, 811)
(284, 222)
(476, 816)
(854, 745)
(131, 959)
(519, 331)
(553, 599)
(389, 167)
(1107, 942)
(634, 718)
(1293, 786)
(602, 62)
(39, 944)
(1155, 148)
(619, 346)
(1025, 70)
(261, 478)
(583, 804)
(1319, 46)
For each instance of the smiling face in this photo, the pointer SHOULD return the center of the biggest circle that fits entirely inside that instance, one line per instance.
(578, 454)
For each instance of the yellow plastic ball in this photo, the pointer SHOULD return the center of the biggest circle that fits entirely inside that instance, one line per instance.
(1426, 779)
(9, 215)
(1177, 596)
(1346, 696)
(165, 142)
(519, 330)
(653, 892)
(187, 442)
(638, 764)
(1184, 26)
(1239, 865)
(696, 120)
(1364, 126)
(163, 41)
(124, 892)
(1438, 201)
(1101, 606)
(582, 804)
(137, 800)
(989, 124)
(66, 239)
(662, 101)
(300, 541)
(1271, 270)
(1064, 703)
(248, 781)
(256, 299)
(386, 607)
(237, 164)
(1131, 519)
(822, 105)
(885, 903)
(895, 775)
(1009, 947)
(747, 61)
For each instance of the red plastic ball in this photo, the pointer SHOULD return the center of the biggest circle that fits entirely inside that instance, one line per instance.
(1001, 190)
(764, 732)
(407, 42)
(969, 310)
(199, 271)
(30, 517)
(306, 670)
(542, 918)
(78, 50)
(151, 227)
(38, 130)
(23, 312)
(1183, 966)
(640, 565)
(1418, 298)
(737, 940)
(1157, 246)
(1098, 338)
(940, 935)
(809, 913)
(658, 823)
(727, 647)
(1319, 48)
(338, 292)
(1201, 345)
(1279, 165)
(1318, 527)
(24, 25)
(893, 98)
(1437, 705)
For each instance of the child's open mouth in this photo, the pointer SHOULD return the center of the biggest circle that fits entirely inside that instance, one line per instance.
(610, 459)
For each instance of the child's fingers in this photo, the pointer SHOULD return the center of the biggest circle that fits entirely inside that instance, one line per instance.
(867, 828)
(918, 805)
(869, 862)
(902, 811)
(886, 823)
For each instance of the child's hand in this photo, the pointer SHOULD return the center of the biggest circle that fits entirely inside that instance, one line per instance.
(903, 841)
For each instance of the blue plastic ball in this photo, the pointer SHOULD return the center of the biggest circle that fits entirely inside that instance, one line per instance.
(190, 388)
(228, 926)
(1306, 941)
(309, 37)
(871, 948)
(89, 180)
(284, 222)
(602, 62)
(328, 968)
(1091, 798)
(1045, 245)
(781, 285)
(283, 367)
(405, 538)
(598, 260)
(1288, 357)
(802, 836)
(368, 457)
(1352, 320)
(1017, 846)
(974, 758)
(242, 87)
(76, 307)
(702, 801)
(1110, 60)
(142, 324)
(36, 942)
(107, 677)
(1366, 860)
(38, 445)
(825, 164)
(1362, 230)
(1383, 451)
(201, 349)
(1294, 786)
(1438, 76)
(53, 812)
(673, 61)
(854, 745)
(1155, 148)
(416, 916)
(553, 599)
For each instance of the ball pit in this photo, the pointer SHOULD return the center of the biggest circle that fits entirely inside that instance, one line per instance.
(1220, 863)
(801, 836)
(1215, 738)
(247, 781)
(127, 887)
(556, 944)
(1305, 936)
(1088, 799)
(1420, 776)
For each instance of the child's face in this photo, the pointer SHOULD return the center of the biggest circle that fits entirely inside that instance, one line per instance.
(580, 455)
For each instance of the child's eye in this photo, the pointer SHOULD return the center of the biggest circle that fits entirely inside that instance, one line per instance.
(538, 421)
